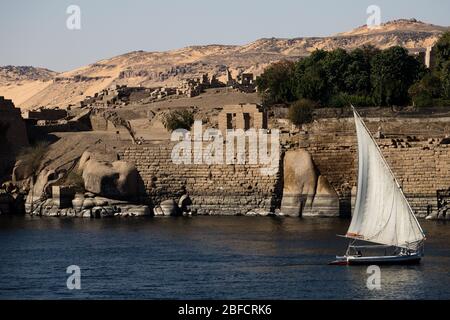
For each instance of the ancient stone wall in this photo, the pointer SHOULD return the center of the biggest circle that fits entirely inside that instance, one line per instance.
(218, 189)
(45, 114)
(13, 134)
(242, 116)
(416, 152)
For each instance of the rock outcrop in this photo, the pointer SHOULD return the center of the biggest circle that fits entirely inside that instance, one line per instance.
(305, 192)
(116, 180)
(167, 208)
(300, 181)
(11, 199)
(21, 171)
(326, 199)
(87, 205)
(40, 190)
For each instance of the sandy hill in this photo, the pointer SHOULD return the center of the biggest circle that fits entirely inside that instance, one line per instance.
(31, 87)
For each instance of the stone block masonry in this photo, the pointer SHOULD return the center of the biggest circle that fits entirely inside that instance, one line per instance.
(243, 116)
(415, 150)
(218, 189)
(421, 163)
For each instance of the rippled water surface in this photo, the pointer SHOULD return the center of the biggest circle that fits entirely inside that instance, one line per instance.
(203, 257)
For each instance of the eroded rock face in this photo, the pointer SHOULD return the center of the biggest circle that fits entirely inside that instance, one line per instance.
(326, 199)
(300, 181)
(90, 208)
(116, 180)
(305, 192)
(40, 189)
(21, 171)
(166, 208)
(134, 210)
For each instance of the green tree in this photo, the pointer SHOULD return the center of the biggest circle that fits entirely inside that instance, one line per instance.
(336, 66)
(393, 72)
(445, 80)
(301, 111)
(310, 79)
(357, 76)
(342, 100)
(441, 52)
(275, 84)
(423, 92)
(441, 66)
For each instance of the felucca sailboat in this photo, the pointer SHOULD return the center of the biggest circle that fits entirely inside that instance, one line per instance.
(384, 229)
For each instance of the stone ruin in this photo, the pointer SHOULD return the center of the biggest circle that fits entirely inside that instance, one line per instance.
(244, 82)
(194, 87)
(124, 95)
(13, 132)
(118, 95)
(109, 120)
(45, 114)
(242, 116)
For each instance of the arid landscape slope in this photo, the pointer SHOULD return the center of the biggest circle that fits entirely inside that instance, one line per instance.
(31, 87)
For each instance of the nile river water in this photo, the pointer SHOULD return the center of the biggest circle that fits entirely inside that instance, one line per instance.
(203, 258)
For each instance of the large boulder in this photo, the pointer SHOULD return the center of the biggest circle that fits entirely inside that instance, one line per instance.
(21, 171)
(134, 210)
(116, 180)
(300, 180)
(326, 199)
(100, 156)
(40, 190)
(166, 208)
(305, 192)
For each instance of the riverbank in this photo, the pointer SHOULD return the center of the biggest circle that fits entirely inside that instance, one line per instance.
(322, 155)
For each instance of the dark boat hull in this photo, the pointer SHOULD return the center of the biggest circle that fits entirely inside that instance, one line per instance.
(382, 260)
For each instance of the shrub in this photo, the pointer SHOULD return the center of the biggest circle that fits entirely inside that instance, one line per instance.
(178, 119)
(445, 80)
(441, 103)
(32, 156)
(423, 100)
(75, 180)
(301, 111)
(424, 91)
(343, 100)
(338, 101)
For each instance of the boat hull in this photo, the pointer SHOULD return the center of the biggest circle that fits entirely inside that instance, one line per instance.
(381, 260)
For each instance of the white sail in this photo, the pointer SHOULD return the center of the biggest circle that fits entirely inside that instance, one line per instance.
(382, 214)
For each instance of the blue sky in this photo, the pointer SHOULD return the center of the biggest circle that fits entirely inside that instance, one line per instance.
(35, 32)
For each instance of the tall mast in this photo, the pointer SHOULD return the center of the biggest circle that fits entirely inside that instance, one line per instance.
(390, 175)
